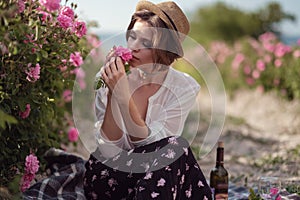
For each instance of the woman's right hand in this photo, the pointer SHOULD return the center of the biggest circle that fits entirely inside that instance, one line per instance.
(114, 75)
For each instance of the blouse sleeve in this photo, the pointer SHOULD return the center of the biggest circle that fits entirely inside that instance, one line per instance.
(107, 147)
(168, 117)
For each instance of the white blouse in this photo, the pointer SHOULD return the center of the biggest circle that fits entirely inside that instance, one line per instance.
(167, 111)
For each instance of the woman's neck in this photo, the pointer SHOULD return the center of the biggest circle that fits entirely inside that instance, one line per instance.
(149, 75)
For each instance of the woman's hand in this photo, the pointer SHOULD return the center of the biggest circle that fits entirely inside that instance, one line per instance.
(114, 75)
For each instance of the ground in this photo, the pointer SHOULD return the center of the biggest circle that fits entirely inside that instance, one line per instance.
(262, 138)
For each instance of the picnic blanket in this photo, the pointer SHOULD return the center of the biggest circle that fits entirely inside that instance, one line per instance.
(66, 180)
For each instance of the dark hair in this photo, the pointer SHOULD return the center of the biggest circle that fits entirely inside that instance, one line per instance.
(166, 44)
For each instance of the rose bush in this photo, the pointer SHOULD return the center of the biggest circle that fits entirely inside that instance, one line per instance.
(42, 45)
(266, 64)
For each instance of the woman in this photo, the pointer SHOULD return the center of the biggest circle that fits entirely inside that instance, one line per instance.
(141, 116)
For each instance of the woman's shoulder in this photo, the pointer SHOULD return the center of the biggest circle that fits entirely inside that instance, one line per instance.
(183, 80)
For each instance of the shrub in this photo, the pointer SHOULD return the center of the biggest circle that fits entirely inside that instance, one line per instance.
(42, 45)
(265, 64)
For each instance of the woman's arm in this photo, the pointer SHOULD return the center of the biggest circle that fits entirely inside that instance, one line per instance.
(114, 75)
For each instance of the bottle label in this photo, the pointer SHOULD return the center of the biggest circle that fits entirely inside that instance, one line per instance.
(221, 191)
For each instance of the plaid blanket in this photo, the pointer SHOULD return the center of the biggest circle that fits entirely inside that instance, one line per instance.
(65, 181)
(242, 193)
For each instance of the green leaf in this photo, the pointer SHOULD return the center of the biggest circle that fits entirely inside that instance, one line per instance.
(44, 54)
(5, 118)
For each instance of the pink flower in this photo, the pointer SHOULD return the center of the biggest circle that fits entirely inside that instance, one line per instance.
(161, 182)
(93, 40)
(67, 11)
(296, 53)
(260, 65)
(79, 28)
(267, 58)
(33, 74)
(50, 5)
(274, 191)
(277, 63)
(31, 164)
(255, 74)
(250, 81)
(269, 47)
(281, 49)
(45, 16)
(170, 154)
(247, 70)
(73, 134)
(26, 113)
(154, 194)
(238, 59)
(76, 59)
(124, 53)
(64, 21)
(267, 37)
(21, 6)
(25, 181)
(31, 167)
(67, 95)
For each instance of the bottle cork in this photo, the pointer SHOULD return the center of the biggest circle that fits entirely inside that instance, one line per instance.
(221, 144)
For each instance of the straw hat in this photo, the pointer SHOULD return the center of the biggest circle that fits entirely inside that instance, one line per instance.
(169, 12)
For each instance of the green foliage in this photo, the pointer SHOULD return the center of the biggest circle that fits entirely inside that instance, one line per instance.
(253, 195)
(28, 39)
(222, 22)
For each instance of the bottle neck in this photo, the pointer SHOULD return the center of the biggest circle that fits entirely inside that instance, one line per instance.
(220, 157)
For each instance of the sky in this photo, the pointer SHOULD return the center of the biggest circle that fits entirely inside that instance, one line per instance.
(114, 15)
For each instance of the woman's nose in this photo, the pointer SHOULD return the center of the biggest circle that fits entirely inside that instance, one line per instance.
(134, 45)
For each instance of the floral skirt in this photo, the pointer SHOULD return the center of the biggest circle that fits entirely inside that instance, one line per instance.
(165, 169)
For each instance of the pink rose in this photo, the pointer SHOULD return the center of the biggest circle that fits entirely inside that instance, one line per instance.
(33, 73)
(26, 113)
(25, 181)
(67, 11)
(45, 16)
(64, 21)
(124, 53)
(50, 5)
(255, 74)
(76, 59)
(79, 28)
(21, 6)
(67, 95)
(296, 53)
(278, 63)
(73, 134)
(260, 65)
(31, 164)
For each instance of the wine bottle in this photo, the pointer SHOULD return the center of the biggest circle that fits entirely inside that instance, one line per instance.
(219, 175)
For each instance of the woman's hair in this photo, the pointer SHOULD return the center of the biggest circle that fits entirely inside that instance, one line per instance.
(166, 46)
